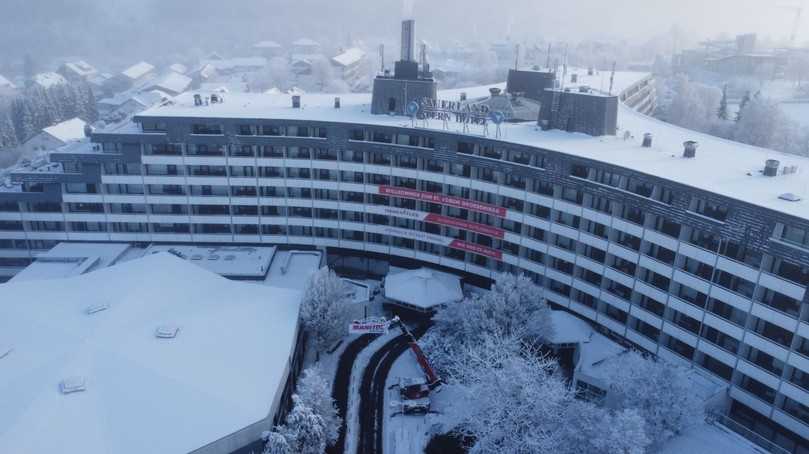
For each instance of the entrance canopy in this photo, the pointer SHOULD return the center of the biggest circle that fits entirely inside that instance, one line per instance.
(423, 289)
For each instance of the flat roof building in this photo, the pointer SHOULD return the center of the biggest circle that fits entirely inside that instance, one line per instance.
(161, 356)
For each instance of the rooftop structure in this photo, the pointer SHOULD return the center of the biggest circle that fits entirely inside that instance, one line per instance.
(422, 289)
(78, 70)
(74, 259)
(235, 262)
(172, 83)
(128, 386)
(179, 68)
(68, 130)
(138, 71)
(49, 79)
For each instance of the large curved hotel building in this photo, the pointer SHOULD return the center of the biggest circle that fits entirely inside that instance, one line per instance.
(698, 252)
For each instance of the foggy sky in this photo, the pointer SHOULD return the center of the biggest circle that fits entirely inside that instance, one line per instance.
(138, 27)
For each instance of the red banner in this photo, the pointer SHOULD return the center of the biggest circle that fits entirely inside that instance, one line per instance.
(465, 225)
(452, 201)
(477, 249)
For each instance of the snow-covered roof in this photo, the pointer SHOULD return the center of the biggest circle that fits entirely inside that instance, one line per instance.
(423, 287)
(709, 439)
(172, 82)
(138, 70)
(99, 79)
(142, 394)
(569, 329)
(349, 57)
(179, 68)
(237, 63)
(66, 131)
(72, 259)
(81, 68)
(228, 261)
(293, 269)
(720, 166)
(5, 82)
(267, 45)
(306, 42)
(49, 79)
(150, 98)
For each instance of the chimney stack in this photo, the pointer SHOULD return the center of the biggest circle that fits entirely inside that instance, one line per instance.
(408, 40)
(296, 101)
(771, 167)
(647, 140)
(690, 149)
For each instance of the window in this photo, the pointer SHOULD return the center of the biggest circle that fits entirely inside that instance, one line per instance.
(210, 129)
(709, 209)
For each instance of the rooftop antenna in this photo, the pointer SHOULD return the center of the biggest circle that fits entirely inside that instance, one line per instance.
(381, 58)
(612, 78)
(516, 57)
(548, 62)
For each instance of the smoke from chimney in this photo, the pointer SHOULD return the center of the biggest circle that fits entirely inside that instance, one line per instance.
(407, 9)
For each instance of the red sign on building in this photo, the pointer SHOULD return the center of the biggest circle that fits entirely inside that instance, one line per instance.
(441, 199)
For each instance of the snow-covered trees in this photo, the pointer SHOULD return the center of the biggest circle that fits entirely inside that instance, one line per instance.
(661, 393)
(313, 422)
(517, 403)
(514, 307)
(589, 428)
(315, 392)
(302, 433)
(277, 74)
(323, 311)
(693, 105)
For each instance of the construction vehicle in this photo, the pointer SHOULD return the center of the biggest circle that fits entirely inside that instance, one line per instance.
(411, 388)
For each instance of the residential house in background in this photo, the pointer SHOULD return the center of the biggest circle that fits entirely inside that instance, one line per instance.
(268, 49)
(171, 83)
(56, 136)
(48, 79)
(77, 71)
(133, 76)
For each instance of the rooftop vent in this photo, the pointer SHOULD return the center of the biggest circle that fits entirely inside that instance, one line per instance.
(690, 149)
(647, 140)
(591, 71)
(296, 101)
(337, 102)
(197, 100)
(584, 89)
(789, 197)
(166, 331)
(771, 167)
(213, 257)
(72, 385)
(494, 91)
(574, 78)
(463, 96)
(196, 257)
(90, 310)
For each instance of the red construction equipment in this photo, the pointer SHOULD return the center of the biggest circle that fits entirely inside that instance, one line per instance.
(429, 373)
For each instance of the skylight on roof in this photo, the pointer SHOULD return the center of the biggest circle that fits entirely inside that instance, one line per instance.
(72, 385)
(167, 331)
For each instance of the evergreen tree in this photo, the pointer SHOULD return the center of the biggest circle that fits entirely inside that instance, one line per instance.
(723, 104)
(742, 105)
(315, 392)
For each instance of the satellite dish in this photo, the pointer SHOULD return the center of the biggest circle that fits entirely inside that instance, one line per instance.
(413, 108)
(497, 117)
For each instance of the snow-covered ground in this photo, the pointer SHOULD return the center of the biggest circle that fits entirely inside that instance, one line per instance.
(353, 410)
(406, 434)
(709, 439)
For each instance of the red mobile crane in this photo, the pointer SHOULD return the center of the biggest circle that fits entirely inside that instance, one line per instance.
(416, 389)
